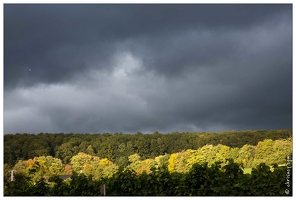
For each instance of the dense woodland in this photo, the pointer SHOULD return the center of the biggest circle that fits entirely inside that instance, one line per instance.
(118, 147)
(102, 157)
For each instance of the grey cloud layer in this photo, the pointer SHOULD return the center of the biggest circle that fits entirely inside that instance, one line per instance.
(144, 68)
(61, 40)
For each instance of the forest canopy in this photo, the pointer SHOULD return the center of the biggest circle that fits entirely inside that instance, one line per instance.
(102, 157)
(118, 147)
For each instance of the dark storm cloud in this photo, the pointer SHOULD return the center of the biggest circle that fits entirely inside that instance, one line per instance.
(128, 68)
(57, 41)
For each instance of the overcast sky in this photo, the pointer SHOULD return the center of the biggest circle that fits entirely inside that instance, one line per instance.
(128, 68)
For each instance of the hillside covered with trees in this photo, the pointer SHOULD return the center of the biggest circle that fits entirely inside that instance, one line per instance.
(118, 147)
(101, 156)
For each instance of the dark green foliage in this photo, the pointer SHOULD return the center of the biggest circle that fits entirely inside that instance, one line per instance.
(21, 187)
(121, 183)
(201, 180)
(80, 185)
(59, 187)
(266, 183)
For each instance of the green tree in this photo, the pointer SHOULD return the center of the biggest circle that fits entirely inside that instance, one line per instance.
(90, 151)
(246, 155)
(282, 148)
(40, 167)
(80, 160)
(161, 161)
(223, 154)
(7, 176)
(105, 169)
(135, 162)
(67, 150)
(122, 162)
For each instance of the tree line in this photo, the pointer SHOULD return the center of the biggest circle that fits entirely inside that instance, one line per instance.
(267, 151)
(215, 164)
(118, 147)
